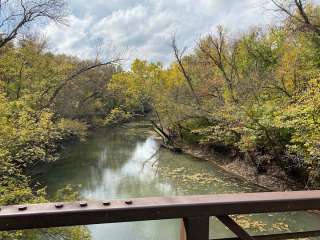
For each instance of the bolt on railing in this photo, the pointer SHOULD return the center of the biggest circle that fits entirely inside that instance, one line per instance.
(194, 210)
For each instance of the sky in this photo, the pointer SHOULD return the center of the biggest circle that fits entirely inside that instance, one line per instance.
(144, 28)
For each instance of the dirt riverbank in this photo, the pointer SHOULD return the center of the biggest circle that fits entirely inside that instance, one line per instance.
(274, 178)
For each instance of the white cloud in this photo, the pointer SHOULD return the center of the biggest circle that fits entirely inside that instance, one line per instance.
(146, 26)
(73, 39)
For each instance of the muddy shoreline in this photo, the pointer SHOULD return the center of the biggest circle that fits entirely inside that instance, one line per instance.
(275, 179)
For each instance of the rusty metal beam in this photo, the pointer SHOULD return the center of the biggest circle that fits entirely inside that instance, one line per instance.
(281, 236)
(196, 228)
(234, 227)
(95, 212)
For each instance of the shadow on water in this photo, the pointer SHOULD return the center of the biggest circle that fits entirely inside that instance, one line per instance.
(126, 162)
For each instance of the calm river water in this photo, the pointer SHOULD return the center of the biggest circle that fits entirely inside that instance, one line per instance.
(127, 162)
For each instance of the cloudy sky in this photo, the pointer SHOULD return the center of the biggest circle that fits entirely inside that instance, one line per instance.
(143, 28)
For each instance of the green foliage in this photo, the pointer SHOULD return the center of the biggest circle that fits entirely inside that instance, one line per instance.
(302, 118)
(27, 137)
(72, 128)
(117, 116)
(132, 90)
(217, 135)
(33, 129)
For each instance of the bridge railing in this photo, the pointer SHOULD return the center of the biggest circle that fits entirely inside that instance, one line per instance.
(194, 210)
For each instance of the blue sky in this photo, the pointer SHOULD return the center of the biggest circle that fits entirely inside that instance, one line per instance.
(144, 28)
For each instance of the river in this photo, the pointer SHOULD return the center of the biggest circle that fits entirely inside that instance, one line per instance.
(126, 162)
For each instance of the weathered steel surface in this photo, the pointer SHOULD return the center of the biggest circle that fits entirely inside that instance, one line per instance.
(281, 236)
(95, 212)
(182, 235)
(196, 228)
(234, 227)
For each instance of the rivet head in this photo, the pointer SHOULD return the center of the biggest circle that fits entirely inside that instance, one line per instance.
(59, 205)
(106, 203)
(83, 204)
(128, 202)
(22, 207)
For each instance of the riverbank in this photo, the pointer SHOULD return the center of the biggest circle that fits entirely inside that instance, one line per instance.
(274, 179)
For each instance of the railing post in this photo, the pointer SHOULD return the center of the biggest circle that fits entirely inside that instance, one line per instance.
(195, 228)
(234, 227)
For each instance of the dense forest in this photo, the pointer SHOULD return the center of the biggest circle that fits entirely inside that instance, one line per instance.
(256, 94)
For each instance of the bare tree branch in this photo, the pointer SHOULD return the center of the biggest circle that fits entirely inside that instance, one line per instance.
(178, 56)
(73, 76)
(297, 11)
(215, 49)
(15, 15)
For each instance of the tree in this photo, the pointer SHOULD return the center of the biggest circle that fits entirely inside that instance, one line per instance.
(301, 12)
(16, 15)
(79, 70)
(222, 56)
(179, 59)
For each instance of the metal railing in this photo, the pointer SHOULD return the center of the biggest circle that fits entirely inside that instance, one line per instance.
(194, 210)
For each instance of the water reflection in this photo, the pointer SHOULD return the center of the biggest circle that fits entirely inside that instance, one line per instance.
(128, 175)
(125, 163)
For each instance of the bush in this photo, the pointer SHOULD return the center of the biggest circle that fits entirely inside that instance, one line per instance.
(116, 116)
